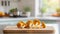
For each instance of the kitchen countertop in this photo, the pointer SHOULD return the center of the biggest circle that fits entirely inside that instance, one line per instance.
(13, 21)
(26, 18)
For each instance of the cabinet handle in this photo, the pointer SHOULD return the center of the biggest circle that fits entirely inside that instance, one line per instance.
(8, 3)
(5, 3)
(2, 3)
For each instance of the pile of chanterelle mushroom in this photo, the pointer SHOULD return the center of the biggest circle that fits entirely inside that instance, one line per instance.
(36, 23)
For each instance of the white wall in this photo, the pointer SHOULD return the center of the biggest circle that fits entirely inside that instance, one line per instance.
(30, 3)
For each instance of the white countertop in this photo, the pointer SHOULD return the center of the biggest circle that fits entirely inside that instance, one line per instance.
(56, 27)
(41, 18)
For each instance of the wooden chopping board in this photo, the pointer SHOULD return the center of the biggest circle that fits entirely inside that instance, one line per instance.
(14, 29)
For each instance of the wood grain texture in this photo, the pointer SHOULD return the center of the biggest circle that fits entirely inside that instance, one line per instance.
(14, 29)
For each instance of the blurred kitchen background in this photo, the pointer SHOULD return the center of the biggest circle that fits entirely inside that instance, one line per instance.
(48, 8)
(45, 10)
(29, 8)
(17, 8)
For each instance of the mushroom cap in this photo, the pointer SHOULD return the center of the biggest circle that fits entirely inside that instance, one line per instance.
(29, 23)
(35, 21)
(20, 24)
(43, 24)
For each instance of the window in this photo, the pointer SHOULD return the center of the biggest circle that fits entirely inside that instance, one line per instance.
(48, 7)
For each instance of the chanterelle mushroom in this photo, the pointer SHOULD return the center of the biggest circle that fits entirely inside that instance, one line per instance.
(36, 23)
(29, 24)
(20, 24)
(43, 25)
